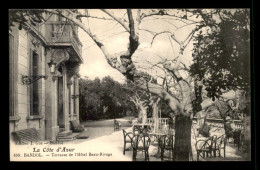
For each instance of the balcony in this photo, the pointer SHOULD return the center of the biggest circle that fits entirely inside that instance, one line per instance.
(60, 33)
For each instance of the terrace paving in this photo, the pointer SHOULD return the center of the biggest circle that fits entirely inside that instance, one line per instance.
(105, 140)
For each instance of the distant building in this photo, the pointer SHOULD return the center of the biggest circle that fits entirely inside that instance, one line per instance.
(49, 103)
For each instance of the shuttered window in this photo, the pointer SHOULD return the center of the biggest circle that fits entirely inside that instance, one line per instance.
(34, 86)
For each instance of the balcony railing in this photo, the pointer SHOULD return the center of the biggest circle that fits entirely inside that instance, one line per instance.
(61, 33)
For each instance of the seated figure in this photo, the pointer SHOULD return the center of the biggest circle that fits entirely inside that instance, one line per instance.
(204, 130)
(228, 129)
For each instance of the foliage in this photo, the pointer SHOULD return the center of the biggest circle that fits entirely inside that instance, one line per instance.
(97, 94)
(89, 100)
(221, 58)
(23, 17)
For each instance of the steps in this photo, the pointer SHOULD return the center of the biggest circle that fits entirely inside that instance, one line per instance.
(64, 133)
(61, 129)
(66, 136)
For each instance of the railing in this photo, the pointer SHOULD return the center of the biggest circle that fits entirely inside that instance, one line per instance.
(76, 45)
(160, 125)
(61, 33)
(150, 121)
(220, 122)
(58, 33)
(162, 121)
(239, 125)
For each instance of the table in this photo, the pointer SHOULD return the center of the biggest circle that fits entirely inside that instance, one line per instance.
(141, 127)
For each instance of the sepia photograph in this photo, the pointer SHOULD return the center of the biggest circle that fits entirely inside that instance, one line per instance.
(130, 85)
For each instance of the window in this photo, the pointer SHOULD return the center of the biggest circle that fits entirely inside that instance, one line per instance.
(34, 86)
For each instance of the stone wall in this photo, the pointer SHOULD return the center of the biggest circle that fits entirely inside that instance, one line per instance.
(23, 91)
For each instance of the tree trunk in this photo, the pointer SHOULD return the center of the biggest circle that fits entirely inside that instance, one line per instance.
(143, 110)
(182, 145)
(155, 116)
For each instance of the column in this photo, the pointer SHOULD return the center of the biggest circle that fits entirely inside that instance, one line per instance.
(66, 101)
(52, 129)
(77, 93)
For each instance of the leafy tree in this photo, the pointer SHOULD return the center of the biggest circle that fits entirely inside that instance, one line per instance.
(222, 58)
(90, 106)
(103, 99)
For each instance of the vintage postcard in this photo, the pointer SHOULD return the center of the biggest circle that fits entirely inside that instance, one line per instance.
(129, 85)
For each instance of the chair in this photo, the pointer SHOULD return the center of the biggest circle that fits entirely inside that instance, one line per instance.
(137, 130)
(212, 142)
(146, 129)
(166, 143)
(243, 144)
(141, 143)
(116, 125)
(237, 138)
(26, 136)
(220, 143)
(205, 148)
(128, 136)
(76, 127)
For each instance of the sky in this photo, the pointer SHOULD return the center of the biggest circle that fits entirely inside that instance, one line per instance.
(116, 39)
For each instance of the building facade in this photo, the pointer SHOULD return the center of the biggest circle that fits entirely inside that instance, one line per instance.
(44, 62)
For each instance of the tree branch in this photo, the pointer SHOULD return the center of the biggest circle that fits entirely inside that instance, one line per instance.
(126, 67)
(120, 21)
(171, 100)
(131, 24)
(94, 17)
(164, 32)
(151, 32)
(138, 20)
(156, 13)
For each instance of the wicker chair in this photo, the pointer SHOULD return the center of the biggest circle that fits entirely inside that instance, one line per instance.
(166, 143)
(137, 130)
(212, 141)
(26, 136)
(128, 136)
(141, 143)
(237, 138)
(220, 144)
(116, 125)
(205, 148)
